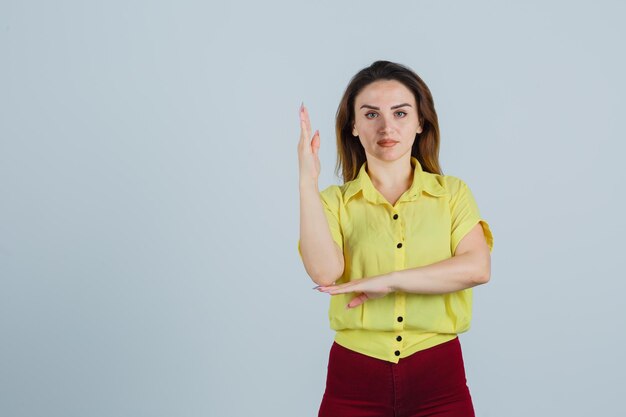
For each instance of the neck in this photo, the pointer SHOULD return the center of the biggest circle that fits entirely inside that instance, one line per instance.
(390, 174)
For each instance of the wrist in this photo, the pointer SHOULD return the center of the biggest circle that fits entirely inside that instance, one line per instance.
(391, 281)
(308, 184)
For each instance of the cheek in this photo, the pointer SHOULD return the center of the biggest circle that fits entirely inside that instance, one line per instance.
(364, 129)
(371, 126)
(410, 129)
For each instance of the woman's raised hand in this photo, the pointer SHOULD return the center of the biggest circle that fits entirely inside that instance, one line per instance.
(308, 148)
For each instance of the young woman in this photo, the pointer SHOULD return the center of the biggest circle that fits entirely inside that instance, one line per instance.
(398, 247)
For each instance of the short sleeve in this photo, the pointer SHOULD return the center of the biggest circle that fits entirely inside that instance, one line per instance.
(465, 214)
(331, 201)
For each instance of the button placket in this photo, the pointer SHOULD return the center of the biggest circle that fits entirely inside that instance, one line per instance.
(400, 297)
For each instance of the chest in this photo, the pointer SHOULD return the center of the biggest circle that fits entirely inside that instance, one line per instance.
(379, 237)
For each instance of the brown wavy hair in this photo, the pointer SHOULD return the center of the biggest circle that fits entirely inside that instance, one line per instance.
(350, 152)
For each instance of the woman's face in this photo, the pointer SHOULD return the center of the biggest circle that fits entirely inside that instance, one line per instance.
(385, 110)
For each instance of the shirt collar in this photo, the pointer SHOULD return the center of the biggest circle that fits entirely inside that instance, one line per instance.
(422, 181)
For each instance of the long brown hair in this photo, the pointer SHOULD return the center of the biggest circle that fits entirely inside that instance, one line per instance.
(350, 152)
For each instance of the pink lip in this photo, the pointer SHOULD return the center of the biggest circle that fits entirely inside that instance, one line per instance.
(387, 143)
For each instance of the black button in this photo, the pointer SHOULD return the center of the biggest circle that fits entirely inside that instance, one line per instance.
(399, 245)
(397, 352)
(399, 338)
(395, 216)
(400, 318)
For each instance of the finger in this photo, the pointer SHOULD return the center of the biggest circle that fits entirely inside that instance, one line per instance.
(303, 126)
(339, 290)
(357, 301)
(337, 287)
(315, 142)
(307, 122)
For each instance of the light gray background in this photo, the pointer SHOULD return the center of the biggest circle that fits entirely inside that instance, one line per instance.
(149, 210)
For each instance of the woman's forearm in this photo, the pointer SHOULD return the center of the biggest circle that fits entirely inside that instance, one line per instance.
(454, 274)
(322, 258)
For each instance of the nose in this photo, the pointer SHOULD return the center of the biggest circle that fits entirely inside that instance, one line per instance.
(385, 124)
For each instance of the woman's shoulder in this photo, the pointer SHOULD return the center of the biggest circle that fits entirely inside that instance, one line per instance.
(332, 189)
(340, 193)
(333, 193)
(452, 183)
(441, 184)
(457, 188)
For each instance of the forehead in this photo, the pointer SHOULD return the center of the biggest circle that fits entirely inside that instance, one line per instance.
(384, 92)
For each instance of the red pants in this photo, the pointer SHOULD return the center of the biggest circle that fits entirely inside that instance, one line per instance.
(430, 382)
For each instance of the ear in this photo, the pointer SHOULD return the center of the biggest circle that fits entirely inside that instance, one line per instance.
(419, 127)
(354, 132)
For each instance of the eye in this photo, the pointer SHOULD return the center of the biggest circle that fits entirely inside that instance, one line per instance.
(403, 113)
(368, 114)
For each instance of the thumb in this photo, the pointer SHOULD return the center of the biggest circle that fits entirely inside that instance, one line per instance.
(315, 142)
(357, 301)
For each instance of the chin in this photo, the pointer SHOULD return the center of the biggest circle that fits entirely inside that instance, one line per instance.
(388, 157)
(391, 154)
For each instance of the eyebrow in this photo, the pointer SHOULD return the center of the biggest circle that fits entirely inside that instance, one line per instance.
(392, 107)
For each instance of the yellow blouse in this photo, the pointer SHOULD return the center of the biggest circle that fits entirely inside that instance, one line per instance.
(424, 226)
